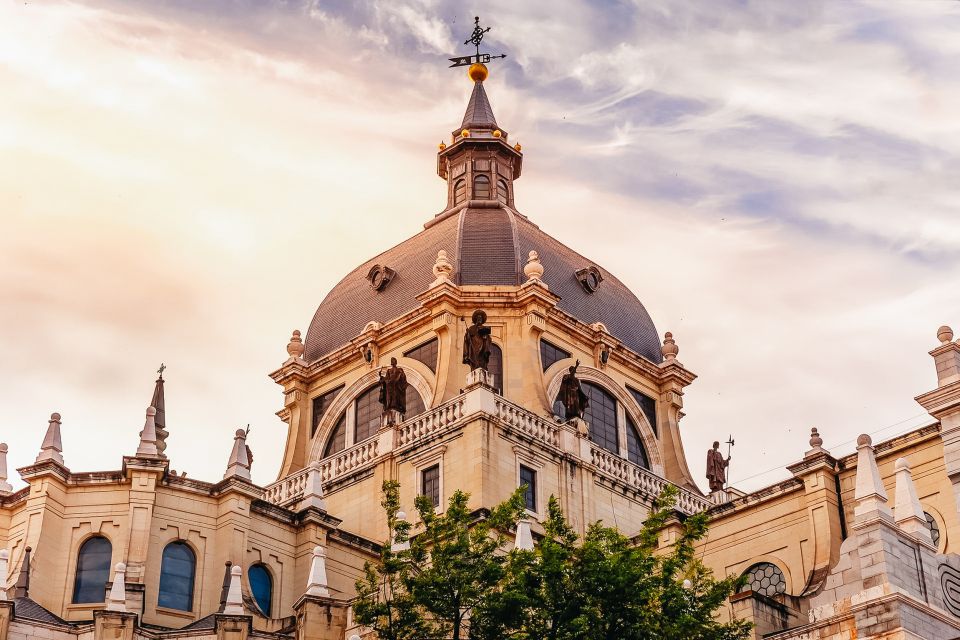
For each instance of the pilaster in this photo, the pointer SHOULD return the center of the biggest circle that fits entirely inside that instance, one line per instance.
(818, 470)
(144, 474)
(320, 618)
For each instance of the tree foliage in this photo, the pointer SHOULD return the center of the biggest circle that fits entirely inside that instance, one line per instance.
(461, 579)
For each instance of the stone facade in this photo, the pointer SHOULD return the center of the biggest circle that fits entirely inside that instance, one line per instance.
(828, 557)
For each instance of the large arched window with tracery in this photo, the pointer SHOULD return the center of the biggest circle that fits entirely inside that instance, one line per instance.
(601, 416)
(363, 414)
(636, 453)
(93, 570)
(766, 579)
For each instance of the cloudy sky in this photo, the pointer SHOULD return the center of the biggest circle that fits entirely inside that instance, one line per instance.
(183, 182)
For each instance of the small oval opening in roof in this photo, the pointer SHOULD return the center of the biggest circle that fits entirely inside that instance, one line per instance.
(589, 278)
(380, 276)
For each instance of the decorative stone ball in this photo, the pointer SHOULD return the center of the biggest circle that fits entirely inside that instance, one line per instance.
(3, 447)
(864, 440)
(815, 439)
(236, 570)
(442, 267)
(442, 146)
(945, 334)
(54, 417)
(151, 411)
(478, 72)
(319, 551)
(669, 350)
(534, 268)
(497, 133)
(120, 568)
(465, 133)
(902, 464)
(295, 346)
(240, 433)
(517, 147)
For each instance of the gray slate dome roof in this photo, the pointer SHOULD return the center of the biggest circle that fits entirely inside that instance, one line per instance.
(486, 247)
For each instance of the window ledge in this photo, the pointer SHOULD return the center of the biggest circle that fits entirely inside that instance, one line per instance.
(177, 613)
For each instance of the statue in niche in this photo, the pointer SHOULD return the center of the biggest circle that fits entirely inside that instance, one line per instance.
(716, 468)
(575, 401)
(476, 342)
(393, 389)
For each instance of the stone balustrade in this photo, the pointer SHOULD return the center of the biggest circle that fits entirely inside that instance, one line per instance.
(441, 419)
(639, 479)
(430, 423)
(527, 423)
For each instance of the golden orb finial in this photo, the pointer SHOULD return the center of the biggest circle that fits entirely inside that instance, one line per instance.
(478, 72)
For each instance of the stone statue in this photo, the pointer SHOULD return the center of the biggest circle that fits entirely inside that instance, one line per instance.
(575, 401)
(476, 342)
(393, 389)
(716, 468)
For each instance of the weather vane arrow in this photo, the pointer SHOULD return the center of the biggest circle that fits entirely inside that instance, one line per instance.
(475, 38)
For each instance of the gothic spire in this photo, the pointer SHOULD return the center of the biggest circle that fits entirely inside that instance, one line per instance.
(160, 420)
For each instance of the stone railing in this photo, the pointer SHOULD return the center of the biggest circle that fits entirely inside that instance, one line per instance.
(349, 460)
(430, 423)
(527, 423)
(286, 490)
(639, 479)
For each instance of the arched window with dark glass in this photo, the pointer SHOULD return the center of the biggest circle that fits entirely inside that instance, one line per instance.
(93, 570)
(178, 568)
(338, 438)
(495, 366)
(481, 188)
(503, 192)
(601, 416)
(635, 451)
(459, 191)
(766, 579)
(368, 411)
(414, 403)
(261, 585)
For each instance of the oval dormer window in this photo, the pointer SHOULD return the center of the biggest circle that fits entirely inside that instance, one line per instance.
(481, 188)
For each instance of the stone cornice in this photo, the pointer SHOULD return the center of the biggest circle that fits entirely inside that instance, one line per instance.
(45, 468)
(751, 500)
(941, 400)
(814, 462)
(893, 445)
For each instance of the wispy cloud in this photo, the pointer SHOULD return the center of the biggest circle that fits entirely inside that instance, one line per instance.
(185, 181)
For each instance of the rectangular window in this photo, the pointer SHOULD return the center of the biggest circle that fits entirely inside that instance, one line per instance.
(550, 354)
(430, 484)
(528, 477)
(320, 404)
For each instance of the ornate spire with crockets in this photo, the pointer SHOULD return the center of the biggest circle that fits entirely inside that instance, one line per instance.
(160, 420)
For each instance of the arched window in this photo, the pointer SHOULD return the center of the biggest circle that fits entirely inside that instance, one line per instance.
(601, 415)
(495, 366)
(261, 585)
(414, 403)
(177, 570)
(503, 193)
(459, 191)
(635, 451)
(766, 579)
(481, 188)
(367, 413)
(338, 438)
(93, 570)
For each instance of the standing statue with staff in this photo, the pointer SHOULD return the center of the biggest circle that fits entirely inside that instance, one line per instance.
(575, 401)
(717, 466)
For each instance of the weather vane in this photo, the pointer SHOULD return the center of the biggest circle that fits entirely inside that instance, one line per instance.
(475, 38)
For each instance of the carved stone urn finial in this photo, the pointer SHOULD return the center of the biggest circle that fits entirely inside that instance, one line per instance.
(534, 268)
(442, 269)
(815, 440)
(295, 346)
(945, 334)
(669, 350)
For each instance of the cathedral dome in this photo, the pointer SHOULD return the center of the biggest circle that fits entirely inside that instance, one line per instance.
(487, 243)
(486, 246)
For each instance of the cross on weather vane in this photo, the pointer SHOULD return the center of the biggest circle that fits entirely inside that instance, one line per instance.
(475, 38)
(161, 369)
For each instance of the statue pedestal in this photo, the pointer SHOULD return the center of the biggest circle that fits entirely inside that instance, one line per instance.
(390, 418)
(583, 430)
(480, 378)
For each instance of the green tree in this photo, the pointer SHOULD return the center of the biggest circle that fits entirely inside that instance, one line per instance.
(384, 602)
(461, 563)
